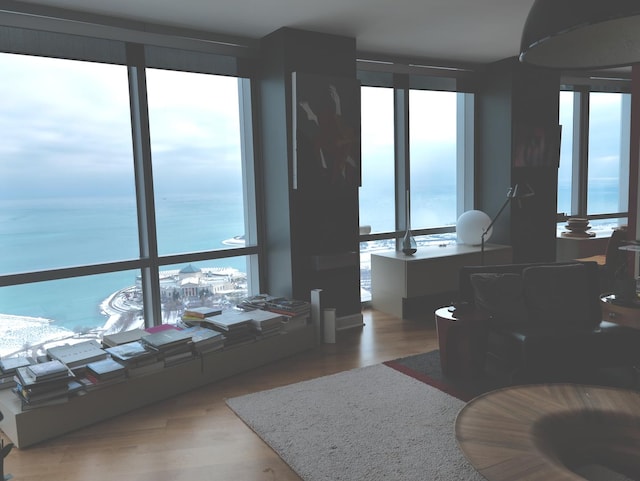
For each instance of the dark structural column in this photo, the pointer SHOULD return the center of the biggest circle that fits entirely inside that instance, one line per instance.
(311, 232)
(517, 109)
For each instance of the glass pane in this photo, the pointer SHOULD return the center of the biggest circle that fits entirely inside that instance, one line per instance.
(36, 314)
(218, 283)
(605, 127)
(432, 150)
(566, 153)
(67, 194)
(377, 194)
(197, 163)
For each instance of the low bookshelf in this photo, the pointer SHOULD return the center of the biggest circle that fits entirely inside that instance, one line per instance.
(25, 428)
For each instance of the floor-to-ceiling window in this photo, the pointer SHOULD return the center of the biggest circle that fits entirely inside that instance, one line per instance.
(433, 144)
(119, 205)
(413, 140)
(377, 194)
(593, 177)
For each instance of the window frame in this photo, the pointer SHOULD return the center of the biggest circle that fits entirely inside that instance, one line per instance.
(582, 88)
(425, 79)
(137, 57)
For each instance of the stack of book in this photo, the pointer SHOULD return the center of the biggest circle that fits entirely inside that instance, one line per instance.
(77, 356)
(235, 325)
(173, 345)
(266, 323)
(122, 337)
(137, 358)
(205, 340)
(104, 372)
(196, 315)
(258, 301)
(8, 367)
(288, 307)
(297, 313)
(43, 384)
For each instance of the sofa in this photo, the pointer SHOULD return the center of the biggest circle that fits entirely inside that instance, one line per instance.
(545, 321)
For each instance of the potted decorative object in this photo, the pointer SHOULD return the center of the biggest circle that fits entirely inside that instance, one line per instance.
(409, 246)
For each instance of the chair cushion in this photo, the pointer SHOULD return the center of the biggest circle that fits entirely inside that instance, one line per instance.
(501, 296)
(558, 296)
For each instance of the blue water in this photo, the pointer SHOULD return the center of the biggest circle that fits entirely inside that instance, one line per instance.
(51, 233)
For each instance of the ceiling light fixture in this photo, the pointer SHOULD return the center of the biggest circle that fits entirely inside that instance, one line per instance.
(574, 34)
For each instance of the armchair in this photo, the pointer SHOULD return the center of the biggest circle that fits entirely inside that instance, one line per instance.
(546, 320)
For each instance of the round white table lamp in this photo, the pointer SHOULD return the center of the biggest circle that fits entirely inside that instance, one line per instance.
(471, 225)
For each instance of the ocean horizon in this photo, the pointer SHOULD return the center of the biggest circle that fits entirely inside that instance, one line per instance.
(49, 231)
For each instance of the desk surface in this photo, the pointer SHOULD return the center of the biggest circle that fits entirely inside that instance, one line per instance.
(432, 271)
(431, 252)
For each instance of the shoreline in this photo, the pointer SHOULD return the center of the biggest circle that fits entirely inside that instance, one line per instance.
(123, 310)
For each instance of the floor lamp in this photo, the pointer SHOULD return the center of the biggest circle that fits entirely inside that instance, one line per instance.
(517, 192)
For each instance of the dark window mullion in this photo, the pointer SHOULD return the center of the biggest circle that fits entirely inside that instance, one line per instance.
(144, 183)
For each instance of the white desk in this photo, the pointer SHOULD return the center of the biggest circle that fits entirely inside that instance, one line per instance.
(396, 277)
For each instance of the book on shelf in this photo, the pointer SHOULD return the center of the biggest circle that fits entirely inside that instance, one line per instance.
(122, 337)
(26, 383)
(262, 320)
(204, 339)
(8, 365)
(33, 397)
(43, 371)
(78, 354)
(7, 382)
(130, 352)
(201, 312)
(166, 339)
(229, 321)
(27, 405)
(159, 328)
(257, 301)
(76, 388)
(288, 307)
(105, 369)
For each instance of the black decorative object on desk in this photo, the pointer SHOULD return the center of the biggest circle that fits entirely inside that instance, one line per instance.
(409, 246)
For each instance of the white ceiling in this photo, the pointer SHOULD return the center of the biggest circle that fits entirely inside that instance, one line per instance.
(462, 31)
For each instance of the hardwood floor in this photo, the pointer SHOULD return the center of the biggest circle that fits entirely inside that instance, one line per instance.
(195, 436)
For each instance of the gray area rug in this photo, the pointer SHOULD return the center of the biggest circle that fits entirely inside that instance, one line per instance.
(371, 423)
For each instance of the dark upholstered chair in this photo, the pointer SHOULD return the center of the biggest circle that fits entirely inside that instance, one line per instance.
(546, 320)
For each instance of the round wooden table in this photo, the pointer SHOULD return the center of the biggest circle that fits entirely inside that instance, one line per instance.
(542, 432)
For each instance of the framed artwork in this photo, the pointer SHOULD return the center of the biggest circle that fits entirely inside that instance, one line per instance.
(537, 146)
(326, 137)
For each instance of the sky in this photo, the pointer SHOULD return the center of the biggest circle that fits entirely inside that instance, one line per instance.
(66, 128)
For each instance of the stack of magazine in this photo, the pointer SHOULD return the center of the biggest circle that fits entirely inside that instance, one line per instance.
(266, 323)
(236, 327)
(43, 384)
(137, 358)
(173, 345)
(76, 356)
(104, 372)
(8, 367)
(204, 339)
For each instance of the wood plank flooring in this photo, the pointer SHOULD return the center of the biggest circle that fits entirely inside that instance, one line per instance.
(195, 436)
